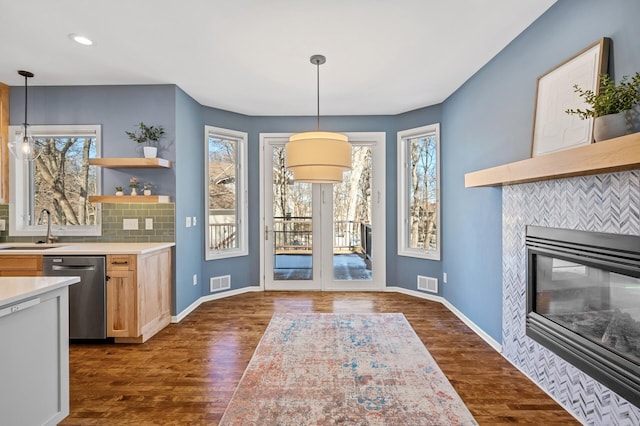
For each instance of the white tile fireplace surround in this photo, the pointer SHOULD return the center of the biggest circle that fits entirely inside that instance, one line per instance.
(601, 203)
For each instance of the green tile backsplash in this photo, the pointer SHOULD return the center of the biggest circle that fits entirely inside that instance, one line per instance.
(163, 215)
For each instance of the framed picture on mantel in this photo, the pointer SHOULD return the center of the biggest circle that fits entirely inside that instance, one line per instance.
(553, 129)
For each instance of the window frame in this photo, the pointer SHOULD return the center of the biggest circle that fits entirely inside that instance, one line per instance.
(21, 182)
(403, 193)
(242, 222)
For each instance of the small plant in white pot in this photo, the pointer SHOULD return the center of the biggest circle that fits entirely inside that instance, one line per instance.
(610, 107)
(119, 190)
(147, 188)
(149, 135)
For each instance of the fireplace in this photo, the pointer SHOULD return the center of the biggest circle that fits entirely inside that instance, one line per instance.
(583, 302)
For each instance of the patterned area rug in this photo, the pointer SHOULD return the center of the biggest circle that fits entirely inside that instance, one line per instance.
(351, 369)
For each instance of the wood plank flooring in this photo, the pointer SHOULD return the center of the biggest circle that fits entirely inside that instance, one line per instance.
(186, 374)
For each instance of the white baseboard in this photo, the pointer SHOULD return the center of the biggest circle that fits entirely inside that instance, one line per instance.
(215, 296)
(480, 332)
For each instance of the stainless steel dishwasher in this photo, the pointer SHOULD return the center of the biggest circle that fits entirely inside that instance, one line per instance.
(87, 299)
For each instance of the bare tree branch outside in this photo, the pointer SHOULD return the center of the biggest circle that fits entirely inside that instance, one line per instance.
(223, 205)
(63, 180)
(422, 192)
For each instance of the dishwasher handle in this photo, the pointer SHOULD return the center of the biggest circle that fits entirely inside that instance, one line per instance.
(73, 267)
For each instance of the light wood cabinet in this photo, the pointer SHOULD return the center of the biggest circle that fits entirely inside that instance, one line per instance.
(21, 266)
(122, 294)
(138, 295)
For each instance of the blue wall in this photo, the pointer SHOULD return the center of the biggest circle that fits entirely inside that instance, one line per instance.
(116, 108)
(488, 122)
(189, 201)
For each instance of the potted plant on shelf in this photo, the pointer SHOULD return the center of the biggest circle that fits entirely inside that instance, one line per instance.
(610, 107)
(147, 188)
(134, 185)
(149, 135)
(119, 191)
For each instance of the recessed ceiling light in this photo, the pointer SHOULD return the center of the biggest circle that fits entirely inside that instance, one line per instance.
(80, 39)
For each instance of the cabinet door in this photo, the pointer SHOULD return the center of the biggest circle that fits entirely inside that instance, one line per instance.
(122, 297)
(20, 266)
(121, 304)
(154, 277)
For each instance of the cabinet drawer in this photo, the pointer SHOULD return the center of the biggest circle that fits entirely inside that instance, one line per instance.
(121, 262)
(21, 263)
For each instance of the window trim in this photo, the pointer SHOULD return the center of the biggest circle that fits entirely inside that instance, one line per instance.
(403, 195)
(20, 178)
(241, 193)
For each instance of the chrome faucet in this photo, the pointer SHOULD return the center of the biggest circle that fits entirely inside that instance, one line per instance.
(49, 238)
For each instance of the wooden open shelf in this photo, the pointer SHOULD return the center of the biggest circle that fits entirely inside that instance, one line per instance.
(613, 155)
(129, 199)
(130, 163)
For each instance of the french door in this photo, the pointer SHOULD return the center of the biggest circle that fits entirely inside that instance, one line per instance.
(323, 236)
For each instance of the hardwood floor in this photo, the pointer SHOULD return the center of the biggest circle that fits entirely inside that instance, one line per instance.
(187, 373)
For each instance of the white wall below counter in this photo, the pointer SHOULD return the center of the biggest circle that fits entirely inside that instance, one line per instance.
(34, 349)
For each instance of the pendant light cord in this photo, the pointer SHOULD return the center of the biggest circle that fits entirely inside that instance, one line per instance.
(318, 91)
(25, 105)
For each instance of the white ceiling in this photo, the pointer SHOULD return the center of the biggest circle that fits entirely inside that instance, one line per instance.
(252, 56)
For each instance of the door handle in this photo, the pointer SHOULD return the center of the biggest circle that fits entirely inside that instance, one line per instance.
(266, 232)
(73, 268)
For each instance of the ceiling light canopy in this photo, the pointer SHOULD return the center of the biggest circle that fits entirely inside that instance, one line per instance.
(318, 157)
(78, 38)
(23, 147)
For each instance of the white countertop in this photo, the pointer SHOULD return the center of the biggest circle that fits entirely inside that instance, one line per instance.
(83, 248)
(15, 289)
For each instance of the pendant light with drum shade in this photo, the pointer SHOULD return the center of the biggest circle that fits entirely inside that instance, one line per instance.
(318, 157)
(23, 147)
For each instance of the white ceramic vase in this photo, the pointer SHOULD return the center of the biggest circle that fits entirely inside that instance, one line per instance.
(147, 192)
(150, 151)
(119, 193)
(134, 192)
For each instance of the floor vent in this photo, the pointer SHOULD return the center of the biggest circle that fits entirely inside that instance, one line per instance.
(220, 283)
(427, 284)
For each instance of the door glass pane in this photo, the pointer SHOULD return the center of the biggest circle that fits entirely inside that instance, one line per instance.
(352, 226)
(292, 223)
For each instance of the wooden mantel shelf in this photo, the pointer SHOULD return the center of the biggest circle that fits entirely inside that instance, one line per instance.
(613, 155)
(130, 163)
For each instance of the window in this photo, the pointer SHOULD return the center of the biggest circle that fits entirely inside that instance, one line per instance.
(419, 192)
(59, 180)
(226, 196)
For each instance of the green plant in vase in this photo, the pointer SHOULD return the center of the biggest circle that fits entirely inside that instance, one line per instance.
(149, 135)
(610, 106)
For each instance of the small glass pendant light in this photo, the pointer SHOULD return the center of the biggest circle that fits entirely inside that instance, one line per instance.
(23, 147)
